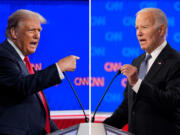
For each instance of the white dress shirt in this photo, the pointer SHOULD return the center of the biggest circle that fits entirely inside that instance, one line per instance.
(61, 76)
(154, 55)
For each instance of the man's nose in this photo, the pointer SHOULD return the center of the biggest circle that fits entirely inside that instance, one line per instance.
(36, 34)
(139, 32)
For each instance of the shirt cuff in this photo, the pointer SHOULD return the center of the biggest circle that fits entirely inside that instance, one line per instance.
(137, 85)
(61, 76)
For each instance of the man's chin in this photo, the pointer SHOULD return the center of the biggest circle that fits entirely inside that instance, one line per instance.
(143, 48)
(31, 52)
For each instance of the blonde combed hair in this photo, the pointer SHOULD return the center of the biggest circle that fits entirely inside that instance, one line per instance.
(19, 16)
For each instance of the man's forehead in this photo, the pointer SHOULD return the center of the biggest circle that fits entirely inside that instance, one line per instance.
(147, 16)
(30, 22)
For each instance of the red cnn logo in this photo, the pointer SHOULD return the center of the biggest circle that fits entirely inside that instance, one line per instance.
(112, 66)
(37, 66)
(84, 81)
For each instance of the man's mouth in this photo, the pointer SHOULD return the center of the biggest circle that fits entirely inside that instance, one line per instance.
(33, 43)
(142, 40)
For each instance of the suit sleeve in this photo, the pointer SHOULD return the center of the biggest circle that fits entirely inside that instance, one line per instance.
(16, 83)
(120, 117)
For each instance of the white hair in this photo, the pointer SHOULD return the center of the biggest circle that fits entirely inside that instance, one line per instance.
(159, 16)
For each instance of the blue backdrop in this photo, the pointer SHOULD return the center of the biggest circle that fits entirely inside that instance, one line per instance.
(66, 33)
(113, 39)
(114, 43)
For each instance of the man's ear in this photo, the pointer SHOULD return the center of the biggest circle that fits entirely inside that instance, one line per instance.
(162, 30)
(13, 33)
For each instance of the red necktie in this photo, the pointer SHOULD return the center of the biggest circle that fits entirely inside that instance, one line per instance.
(31, 71)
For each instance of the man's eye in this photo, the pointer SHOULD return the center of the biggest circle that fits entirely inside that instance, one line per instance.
(145, 26)
(30, 30)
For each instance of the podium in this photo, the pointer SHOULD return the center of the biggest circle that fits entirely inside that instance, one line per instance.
(96, 129)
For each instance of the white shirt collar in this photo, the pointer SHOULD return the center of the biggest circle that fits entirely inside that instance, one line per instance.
(16, 48)
(157, 51)
(155, 54)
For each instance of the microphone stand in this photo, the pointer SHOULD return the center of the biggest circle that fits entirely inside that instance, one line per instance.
(86, 119)
(93, 118)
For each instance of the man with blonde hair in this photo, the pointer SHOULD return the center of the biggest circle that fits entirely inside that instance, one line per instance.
(152, 95)
(23, 107)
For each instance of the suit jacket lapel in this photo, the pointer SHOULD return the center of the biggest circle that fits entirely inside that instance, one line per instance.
(137, 63)
(19, 61)
(16, 57)
(23, 67)
(158, 63)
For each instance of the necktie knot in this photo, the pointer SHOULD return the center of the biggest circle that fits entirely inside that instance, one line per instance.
(28, 65)
(147, 58)
(26, 59)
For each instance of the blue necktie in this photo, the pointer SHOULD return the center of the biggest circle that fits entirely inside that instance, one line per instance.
(143, 67)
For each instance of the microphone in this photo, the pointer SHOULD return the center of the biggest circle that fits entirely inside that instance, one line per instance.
(119, 72)
(86, 119)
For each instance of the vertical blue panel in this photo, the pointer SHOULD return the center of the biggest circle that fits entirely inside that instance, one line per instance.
(114, 43)
(66, 33)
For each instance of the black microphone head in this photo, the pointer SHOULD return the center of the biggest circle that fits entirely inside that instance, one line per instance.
(118, 72)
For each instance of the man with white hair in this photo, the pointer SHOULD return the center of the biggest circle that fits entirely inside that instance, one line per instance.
(23, 107)
(152, 95)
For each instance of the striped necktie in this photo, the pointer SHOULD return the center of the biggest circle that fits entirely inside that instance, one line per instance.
(143, 67)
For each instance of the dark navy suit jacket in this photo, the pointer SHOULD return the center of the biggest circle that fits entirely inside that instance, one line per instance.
(155, 109)
(21, 109)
